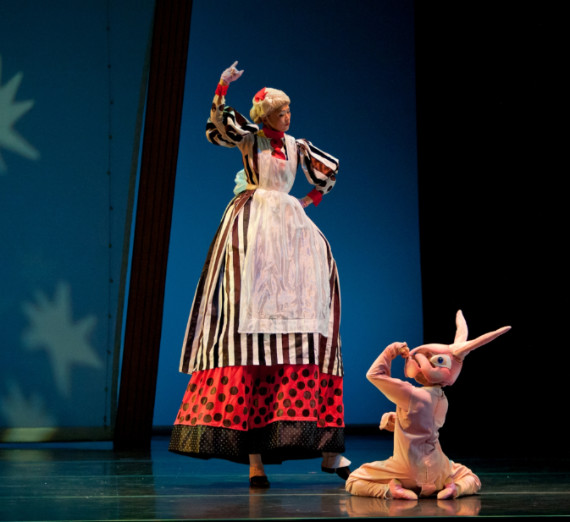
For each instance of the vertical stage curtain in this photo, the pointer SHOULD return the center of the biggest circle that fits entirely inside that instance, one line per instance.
(169, 51)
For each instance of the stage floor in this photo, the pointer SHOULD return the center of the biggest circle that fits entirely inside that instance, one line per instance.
(88, 481)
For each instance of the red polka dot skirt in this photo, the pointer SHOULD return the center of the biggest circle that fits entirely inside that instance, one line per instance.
(282, 412)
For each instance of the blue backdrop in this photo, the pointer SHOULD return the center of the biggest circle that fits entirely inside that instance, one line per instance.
(349, 70)
(71, 75)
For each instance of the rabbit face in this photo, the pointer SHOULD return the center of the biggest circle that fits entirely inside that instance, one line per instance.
(440, 364)
(433, 364)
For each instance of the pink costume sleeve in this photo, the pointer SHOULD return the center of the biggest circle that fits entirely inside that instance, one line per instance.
(396, 390)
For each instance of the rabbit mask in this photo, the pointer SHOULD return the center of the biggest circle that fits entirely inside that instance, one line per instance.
(440, 364)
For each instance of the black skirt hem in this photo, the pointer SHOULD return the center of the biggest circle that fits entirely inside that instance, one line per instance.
(276, 442)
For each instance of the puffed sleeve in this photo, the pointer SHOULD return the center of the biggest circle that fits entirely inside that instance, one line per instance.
(226, 126)
(319, 167)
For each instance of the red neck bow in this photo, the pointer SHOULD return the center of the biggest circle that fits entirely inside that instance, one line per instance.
(276, 138)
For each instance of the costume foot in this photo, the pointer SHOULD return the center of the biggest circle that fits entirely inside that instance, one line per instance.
(399, 492)
(343, 472)
(259, 481)
(450, 491)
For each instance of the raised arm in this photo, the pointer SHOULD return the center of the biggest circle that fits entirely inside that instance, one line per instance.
(227, 127)
(396, 390)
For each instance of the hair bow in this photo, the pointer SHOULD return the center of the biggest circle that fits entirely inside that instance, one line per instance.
(260, 95)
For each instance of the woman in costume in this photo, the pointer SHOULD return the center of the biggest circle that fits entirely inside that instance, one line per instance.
(262, 343)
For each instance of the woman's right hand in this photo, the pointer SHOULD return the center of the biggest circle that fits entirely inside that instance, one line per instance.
(231, 74)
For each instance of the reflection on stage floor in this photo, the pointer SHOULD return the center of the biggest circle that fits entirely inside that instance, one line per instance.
(88, 481)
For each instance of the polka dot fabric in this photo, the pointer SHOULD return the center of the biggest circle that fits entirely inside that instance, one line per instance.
(248, 397)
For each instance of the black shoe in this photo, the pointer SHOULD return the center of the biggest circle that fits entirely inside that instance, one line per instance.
(343, 473)
(259, 481)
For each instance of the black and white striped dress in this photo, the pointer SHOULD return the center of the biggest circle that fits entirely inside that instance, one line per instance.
(272, 385)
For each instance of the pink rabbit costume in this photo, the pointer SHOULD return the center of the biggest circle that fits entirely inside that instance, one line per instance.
(418, 466)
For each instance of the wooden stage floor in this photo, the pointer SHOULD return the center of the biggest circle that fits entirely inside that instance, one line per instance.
(88, 481)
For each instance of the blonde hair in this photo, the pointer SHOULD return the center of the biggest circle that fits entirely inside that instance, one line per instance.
(266, 101)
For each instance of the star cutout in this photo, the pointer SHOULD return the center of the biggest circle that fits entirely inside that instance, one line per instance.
(66, 342)
(10, 112)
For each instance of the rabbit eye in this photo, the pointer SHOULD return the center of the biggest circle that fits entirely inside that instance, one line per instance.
(443, 361)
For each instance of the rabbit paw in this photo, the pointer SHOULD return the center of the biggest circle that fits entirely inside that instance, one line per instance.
(399, 492)
(450, 491)
(388, 421)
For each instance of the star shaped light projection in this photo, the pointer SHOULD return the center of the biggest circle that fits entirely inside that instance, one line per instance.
(10, 112)
(24, 411)
(66, 342)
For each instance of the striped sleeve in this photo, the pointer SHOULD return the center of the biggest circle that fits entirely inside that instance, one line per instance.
(226, 126)
(319, 167)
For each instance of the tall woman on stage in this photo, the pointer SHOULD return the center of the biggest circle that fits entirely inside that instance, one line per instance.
(262, 343)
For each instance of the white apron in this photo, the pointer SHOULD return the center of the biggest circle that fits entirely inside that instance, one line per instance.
(285, 278)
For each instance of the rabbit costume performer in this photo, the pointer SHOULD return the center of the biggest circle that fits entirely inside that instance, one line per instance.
(262, 342)
(419, 466)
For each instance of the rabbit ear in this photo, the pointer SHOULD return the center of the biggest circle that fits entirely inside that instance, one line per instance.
(461, 328)
(465, 347)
